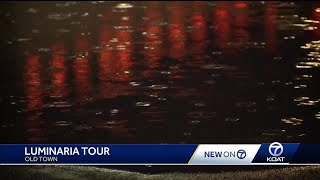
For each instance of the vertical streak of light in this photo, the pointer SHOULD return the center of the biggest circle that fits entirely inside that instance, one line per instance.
(81, 69)
(177, 31)
(270, 14)
(105, 63)
(32, 79)
(153, 36)
(34, 94)
(199, 32)
(115, 59)
(125, 44)
(221, 18)
(241, 22)
(59, 71)
(316, 16)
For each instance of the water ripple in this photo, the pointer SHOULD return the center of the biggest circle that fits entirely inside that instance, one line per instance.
(143, 104)
(59, 17)
(63, 123)
(292, 120)
(158, 87)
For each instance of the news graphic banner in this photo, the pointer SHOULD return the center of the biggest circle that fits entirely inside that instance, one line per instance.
(160, 154)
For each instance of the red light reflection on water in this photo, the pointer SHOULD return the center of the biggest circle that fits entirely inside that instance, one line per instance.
(153, 38)
(33, 83)
(270, 14)
(124, 45)
(106, 65)
(241, 21)
(59, 71)
(199, 32)
(81, 69)
(177, 30)
(115, 58)
(34, 96)
(124, 51)
(222, 21)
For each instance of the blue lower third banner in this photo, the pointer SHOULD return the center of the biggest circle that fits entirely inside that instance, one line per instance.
(160, 154)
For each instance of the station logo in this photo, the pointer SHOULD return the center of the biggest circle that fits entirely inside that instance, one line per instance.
(275, 150)
(225, 154)
(241, 154)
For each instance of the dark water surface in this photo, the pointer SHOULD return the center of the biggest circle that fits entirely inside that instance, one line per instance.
(159, 72)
